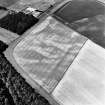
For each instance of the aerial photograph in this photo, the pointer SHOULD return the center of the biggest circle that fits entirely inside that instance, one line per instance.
(52, 52)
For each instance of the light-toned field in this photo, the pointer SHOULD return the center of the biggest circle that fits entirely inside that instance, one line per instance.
(84, 82)
(47, 51)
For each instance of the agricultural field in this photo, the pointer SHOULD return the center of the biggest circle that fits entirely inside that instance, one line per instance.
(14, 90)
(52, 52)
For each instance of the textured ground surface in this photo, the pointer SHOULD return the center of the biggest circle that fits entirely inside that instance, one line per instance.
(90, 22)
(46, 52)
(84, 82)
(18, 22)
(21, 4)
(13, 88)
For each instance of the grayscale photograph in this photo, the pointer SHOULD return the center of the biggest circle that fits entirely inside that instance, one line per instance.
(52, 52)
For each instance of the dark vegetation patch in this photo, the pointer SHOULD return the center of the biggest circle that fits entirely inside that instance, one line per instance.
(14, 90)
(3, 46)
(20, 90)
(18, 22)
(3, 8)
(5, 96)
